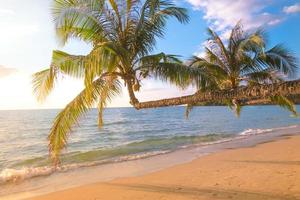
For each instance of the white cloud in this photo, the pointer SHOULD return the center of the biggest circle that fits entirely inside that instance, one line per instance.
(274, 22)
(224, 14)
(292, 9)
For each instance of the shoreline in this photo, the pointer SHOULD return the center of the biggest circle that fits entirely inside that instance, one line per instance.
(17, 175)
(269, 170)
(135, 168)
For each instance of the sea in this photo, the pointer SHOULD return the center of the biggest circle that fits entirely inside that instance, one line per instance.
(127, 134)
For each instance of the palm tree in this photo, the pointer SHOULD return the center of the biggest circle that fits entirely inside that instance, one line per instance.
(244, 61)
(123, 33)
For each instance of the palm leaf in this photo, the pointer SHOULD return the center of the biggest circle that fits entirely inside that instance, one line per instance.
(110, 89)
(263, 77)
(235, 106)
(168, 68)
(62, 64)
(280, 59)
(83, 19)
(67, 64)
(188, 110)
(152, 22)
(43, 83)
(217, 44)
(285, 103)
(70, 115)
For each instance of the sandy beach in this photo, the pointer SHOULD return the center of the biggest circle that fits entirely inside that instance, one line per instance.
(266, 171)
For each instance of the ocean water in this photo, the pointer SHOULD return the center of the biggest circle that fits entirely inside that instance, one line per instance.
(127, 134)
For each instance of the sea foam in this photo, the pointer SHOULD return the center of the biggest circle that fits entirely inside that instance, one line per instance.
(9, 175)
(258, 131)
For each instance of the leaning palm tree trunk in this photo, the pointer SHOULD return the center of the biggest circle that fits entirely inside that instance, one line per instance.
(242, 94)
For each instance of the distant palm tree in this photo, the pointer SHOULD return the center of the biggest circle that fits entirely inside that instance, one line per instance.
(246, 61)
(123, 34)
(226, 69)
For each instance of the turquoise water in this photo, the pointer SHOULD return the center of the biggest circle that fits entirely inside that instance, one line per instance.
(127, 134)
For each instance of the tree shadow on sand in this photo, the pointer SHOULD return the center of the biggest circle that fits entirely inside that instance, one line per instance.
(273, 162)
(200, 193)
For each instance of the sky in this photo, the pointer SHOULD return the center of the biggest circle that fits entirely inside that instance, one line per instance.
(27, 38)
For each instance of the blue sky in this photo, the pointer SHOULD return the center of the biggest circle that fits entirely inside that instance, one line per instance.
(189, 38)
(27, 39)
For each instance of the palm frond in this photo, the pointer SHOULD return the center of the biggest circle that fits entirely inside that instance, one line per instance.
(43, 83)
(70, 115)
(67, 64)
(152, 22)
(217, 45)
(280, 59)
(285, 103)
(108, 92)
(263, 77)
(61, 64)
(234, 105)
(236, 35)
(83, 19)
(214, 59)
(211, 66)
(249, 64)
(251, 43)
(103, 58)
(168, 68)
(188, 110)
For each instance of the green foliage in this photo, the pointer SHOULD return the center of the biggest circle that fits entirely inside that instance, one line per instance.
(243, 61)
(170, 69)
(43, 83)
(235, 106)
(285, 103)
(188, 110)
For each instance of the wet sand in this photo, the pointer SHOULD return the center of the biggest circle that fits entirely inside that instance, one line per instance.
(265, 171)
